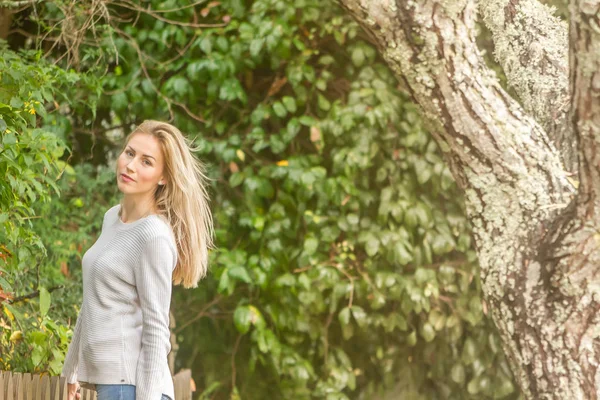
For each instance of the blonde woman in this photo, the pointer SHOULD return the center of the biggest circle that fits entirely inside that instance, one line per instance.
(159, 234)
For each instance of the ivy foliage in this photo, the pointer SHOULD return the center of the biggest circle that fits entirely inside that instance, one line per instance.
(345, 267)
(31, 148)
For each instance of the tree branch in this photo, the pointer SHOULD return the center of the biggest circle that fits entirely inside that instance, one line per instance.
(18, 3)
(530, 43)
(33, 294)
(203, 313)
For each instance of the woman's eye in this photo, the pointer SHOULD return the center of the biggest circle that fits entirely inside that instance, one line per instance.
(147, 162)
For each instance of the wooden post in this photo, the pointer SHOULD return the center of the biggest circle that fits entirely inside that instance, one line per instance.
(2, 397)
(19, 383)
(10, 389)
(29, 388)
(36, 387)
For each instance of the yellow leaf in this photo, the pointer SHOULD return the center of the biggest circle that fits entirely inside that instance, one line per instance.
(16, 335)
(10, 315)
(240, 154)
(283, 163)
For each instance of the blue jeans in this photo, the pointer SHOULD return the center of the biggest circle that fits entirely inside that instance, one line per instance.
(119, 392)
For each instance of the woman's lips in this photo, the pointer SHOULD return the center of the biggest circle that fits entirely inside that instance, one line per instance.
(126, 178)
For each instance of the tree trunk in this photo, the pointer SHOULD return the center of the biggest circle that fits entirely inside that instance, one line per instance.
(536, 235)
(5, 22)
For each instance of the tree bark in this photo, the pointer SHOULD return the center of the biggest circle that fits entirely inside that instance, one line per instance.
(536, 235)
(531, 45)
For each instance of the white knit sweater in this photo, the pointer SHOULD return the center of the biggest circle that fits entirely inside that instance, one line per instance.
(122, 330)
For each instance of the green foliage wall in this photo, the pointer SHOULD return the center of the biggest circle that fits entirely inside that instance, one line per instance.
(344, 267)
(30, 165)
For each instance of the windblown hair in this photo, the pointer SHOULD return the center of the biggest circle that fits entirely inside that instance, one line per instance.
(183, 201)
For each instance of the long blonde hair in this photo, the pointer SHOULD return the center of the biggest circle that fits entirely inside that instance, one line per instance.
(183, 201)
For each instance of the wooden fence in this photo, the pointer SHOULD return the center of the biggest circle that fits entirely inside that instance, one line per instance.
(18, 386)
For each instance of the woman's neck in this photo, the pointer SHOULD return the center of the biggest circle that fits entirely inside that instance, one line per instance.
(132, 210)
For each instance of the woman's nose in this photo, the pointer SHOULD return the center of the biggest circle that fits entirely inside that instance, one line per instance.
(131, 165)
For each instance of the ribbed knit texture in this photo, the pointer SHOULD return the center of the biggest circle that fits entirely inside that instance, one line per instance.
(122, 331)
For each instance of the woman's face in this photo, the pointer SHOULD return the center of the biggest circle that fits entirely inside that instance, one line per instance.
(142, 161)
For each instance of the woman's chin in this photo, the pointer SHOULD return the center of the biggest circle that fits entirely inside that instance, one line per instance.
(123, 187)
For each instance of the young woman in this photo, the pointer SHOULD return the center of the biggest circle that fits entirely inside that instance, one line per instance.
(159, 234)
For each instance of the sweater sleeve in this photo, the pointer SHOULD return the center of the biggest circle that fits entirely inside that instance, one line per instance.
(153, 278)
(71, 363)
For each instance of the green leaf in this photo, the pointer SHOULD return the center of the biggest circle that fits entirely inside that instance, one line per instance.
(307, 120)
(505, 388)
(37, 355)
(458, 374)
(286, 280)
(224, 283)
(360, 316)
(16, 102)
(310, 245)
(279, 109)
(255, 46)
(423, 173)
(119, 101)
(372, 246)
(358, 56)
(427, 332)
(344, 316)
(323, 103)
(242, 318)
(290, 103)
(4, 285)
(245, 316)
(469, 352)
(206, 45)
(239, 273)
(352, 219)
(44, 301)
(402, 254)
(236, 179)
(256, 317)
(377, 301)
(473, 386)
(222, 44)
(437, 320)
(9, 139)
(180, 85)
